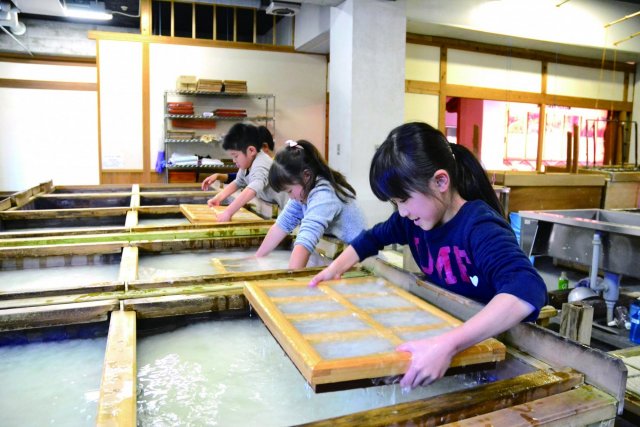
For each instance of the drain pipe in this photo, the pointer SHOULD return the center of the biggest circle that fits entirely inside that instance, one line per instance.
(595, 261)
(611, 292)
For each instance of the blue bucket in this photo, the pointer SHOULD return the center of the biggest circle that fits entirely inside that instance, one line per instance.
(634, 315)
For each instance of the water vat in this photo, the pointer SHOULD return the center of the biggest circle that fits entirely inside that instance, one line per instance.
(154, 266)
(14, 222)
(78, 201)
(51, 383)
(162, 220)
(57, 271)
(233, 372)
(160, 199)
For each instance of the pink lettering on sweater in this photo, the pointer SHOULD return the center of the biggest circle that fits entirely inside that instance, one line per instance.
(461, 260)
(429, 268)
(443, 264)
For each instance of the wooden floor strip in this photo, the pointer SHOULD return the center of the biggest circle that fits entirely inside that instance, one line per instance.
(117, 404)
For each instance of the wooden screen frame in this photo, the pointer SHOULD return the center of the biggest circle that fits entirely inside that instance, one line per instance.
(320, 372)
(203, 214)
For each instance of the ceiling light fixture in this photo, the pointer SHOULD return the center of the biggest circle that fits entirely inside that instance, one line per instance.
(95, 11)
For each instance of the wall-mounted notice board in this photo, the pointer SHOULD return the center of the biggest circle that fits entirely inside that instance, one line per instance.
(345, 331)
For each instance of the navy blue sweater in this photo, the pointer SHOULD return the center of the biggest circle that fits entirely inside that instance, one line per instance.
(475, 254)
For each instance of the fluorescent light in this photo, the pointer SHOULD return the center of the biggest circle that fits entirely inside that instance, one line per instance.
(87, 13)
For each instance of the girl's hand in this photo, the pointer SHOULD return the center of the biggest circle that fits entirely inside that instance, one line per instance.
(430, 359)
(326, 274)
(213, 201)
(224, 216)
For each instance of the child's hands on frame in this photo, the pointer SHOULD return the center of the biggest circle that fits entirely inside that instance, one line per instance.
(326, 274)
(214, 201)
(430, 359)
(224, 216)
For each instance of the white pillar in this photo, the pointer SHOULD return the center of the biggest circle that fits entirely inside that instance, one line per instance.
(366, 89)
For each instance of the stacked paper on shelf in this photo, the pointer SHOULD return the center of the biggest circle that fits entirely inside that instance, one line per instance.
(211, 162)
(208, 85)
(181, 134)
(194, 123)
(235, 86)
(186, 83)
(178, 159)
(230, 112)
(180, 107)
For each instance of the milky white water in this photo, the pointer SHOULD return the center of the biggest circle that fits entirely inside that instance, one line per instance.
(170, 265)
(52, 383)
(55, 277)
(233, 373)
(156, 222)
(68, 228)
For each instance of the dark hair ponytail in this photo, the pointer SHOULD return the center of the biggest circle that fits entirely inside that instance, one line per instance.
(300, 160)
(410, 156)
(471, 179)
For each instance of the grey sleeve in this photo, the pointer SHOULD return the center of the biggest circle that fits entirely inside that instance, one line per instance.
(241, 180)
(322, 209)
(258, 177)
(290, 216)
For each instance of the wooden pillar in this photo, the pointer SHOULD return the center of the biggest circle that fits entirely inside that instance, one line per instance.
(576, 149)
(569, 152)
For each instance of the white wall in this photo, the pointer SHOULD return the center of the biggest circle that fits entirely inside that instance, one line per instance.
(421, 108)
(47, 133)
(584, 82)
(298, 82)
(121, 105)
(493, 71)
(423, 63)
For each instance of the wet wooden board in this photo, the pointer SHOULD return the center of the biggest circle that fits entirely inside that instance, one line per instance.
(463, 404)
(631, 358)
(117, 403)
(344, 331)
(203, 214)
(585, 405)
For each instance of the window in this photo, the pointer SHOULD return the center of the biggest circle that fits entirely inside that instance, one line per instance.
(161, 18)
(204, 21)
(183, 17)
(505, 135)
(223, 23)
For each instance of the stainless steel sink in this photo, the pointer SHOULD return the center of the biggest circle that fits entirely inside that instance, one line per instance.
(568, 235)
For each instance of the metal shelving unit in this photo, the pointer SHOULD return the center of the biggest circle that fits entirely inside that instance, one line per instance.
(260, 108)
